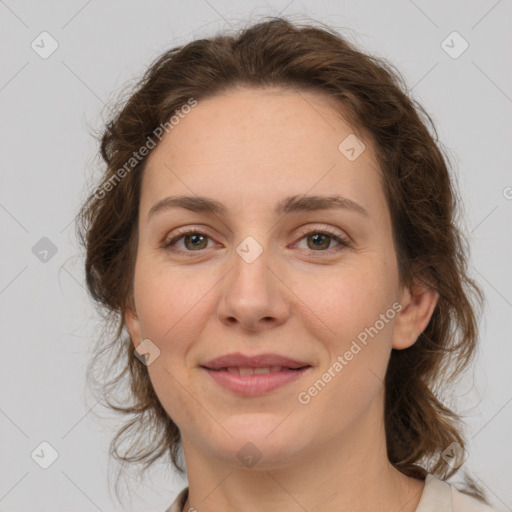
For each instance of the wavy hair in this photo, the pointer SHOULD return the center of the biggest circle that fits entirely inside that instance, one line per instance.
(421, 195)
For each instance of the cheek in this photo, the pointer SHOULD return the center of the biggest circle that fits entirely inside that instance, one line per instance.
(170, 303)
(358, 344)
(172, 307)
(353, 320)
(345, 302)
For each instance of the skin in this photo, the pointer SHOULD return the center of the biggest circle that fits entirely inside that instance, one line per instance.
(249, 148)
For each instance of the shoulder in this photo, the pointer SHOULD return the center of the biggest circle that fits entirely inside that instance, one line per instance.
(462, 502)
(179, 501)
(441, 496)
(437, 496)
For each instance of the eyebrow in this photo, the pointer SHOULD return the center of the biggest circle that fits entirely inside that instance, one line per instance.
(291, 204)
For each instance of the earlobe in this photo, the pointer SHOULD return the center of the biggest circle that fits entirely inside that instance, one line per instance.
(418, 304)
(132, 324)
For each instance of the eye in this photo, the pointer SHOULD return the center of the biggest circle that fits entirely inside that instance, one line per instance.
(319, 240)
(193, 241)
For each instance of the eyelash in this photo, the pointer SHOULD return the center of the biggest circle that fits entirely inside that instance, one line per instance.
(344, 243)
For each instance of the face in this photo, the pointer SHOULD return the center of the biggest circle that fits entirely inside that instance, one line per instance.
(266, 274)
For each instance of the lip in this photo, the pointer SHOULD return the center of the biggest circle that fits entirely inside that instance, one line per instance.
(257, 361)
(255, 384)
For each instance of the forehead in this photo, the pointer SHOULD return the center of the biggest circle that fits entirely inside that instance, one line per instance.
(251, 144)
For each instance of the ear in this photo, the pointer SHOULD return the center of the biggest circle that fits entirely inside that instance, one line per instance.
(132, 324)
(418, 304)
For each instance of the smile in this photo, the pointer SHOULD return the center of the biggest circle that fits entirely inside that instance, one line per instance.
(247, 381)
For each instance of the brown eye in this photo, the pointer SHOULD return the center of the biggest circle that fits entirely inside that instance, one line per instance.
(320, 241)
(193, 241)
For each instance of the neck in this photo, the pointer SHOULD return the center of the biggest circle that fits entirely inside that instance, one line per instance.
(343, 471)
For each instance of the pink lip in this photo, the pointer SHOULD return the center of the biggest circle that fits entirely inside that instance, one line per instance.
(256, 384)
(258, 361)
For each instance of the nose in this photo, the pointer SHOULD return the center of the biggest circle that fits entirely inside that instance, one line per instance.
(254, 294)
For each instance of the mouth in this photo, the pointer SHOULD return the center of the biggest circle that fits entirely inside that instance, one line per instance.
(250, 381)
(258, 361)
(239, 370)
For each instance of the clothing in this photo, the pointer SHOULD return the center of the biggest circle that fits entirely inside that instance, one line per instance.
(437, 496)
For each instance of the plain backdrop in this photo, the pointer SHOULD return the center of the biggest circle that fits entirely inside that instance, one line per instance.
(49, 103)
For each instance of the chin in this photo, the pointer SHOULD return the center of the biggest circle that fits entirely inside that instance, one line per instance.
(261, 426)
(260, 441)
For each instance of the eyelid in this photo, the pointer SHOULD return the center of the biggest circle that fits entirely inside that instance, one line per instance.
(322, 229)
(343, 240)
(183, 231)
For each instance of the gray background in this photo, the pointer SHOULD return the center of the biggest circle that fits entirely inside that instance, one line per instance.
(49, 107)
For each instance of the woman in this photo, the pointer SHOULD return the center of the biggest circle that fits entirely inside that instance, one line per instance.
(275, 233)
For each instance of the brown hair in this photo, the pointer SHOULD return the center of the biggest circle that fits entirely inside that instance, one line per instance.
(371, 94)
